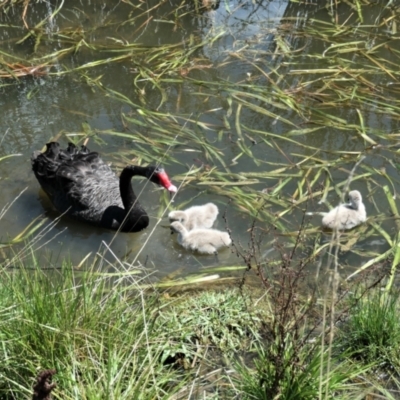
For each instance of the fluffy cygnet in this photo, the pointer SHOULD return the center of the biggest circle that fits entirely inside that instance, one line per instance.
(206, 241)
(196, 217)
(346, 216)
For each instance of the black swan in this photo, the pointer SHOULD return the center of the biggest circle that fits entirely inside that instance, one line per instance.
(80, 184)
(196, 217)
(345, 216)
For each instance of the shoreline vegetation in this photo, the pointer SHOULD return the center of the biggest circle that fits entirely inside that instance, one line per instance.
(301, 329)
(102, 338)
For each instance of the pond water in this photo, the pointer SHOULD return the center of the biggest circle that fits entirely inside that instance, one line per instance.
(266, 104)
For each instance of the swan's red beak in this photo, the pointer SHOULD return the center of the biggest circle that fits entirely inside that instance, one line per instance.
(164, 181)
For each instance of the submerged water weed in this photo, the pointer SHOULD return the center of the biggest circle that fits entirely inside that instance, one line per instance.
(30, 229)
(372, 330)
(264, 120)
(220, 321)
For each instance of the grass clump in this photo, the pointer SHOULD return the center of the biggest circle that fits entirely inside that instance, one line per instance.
(305, 374)
(103, 340)
(372, 331)
(219, 320)
(98, 338)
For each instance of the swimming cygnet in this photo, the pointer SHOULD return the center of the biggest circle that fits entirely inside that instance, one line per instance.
(206, 241)
(196, 217)
(346, 216)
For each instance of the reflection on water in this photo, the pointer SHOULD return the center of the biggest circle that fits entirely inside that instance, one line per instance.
(238, 23)
(37, 109)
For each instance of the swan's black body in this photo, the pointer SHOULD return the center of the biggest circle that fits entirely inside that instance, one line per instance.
(80, 184)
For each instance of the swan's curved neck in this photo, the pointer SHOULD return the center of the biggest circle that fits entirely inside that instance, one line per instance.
(137, 218)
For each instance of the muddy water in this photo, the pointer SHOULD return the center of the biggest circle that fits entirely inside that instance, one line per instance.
(35, 110)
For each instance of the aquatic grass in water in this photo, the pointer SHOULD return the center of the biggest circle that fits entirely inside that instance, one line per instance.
(290, 85)
(264, 92)
(32, 228)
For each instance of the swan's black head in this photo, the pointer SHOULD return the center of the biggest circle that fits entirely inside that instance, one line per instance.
(159, 176)
(154, 174)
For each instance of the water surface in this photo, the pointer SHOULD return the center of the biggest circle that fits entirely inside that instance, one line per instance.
(67, 106)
